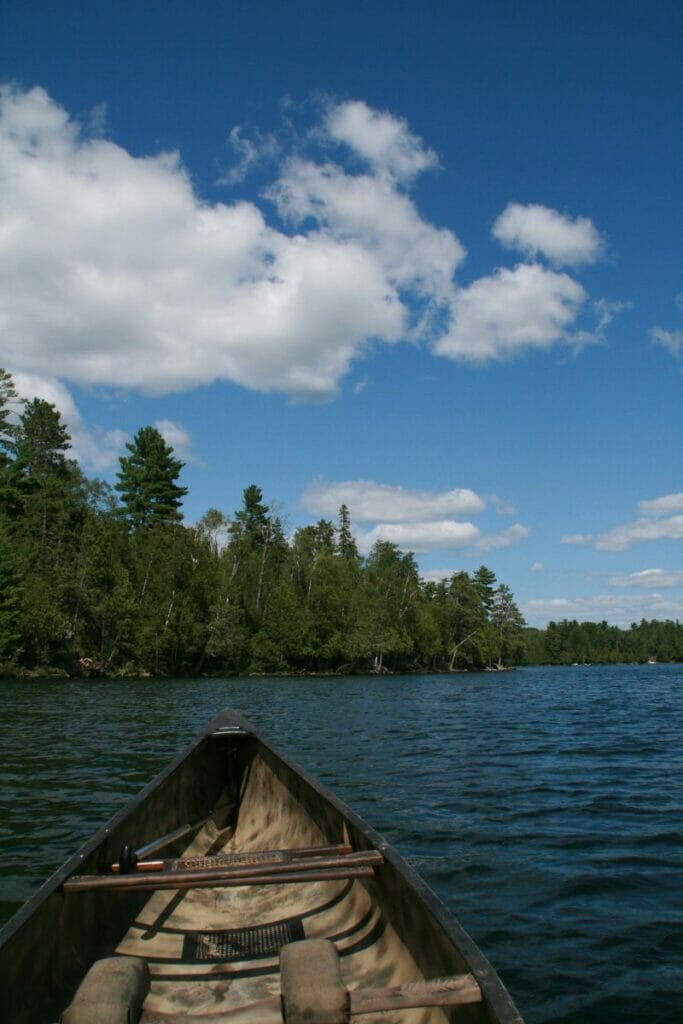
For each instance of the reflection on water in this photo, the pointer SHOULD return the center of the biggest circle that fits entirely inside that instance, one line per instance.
(544, 806)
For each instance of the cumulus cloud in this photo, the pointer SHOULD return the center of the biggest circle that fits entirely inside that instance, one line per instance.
(177, 436)
(420, 537)
(369, 211)
(667, 505)
(113, 269)
(648, 578)
(414, 520)
(660, 519)
(498, 316)
(504, 538)
(538, 230)
(369, 501)
(620, 611)
(98, 449)
(381, 139)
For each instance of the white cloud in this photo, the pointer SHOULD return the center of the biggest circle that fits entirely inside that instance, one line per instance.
(535, 230)
(368, 210)
(538, 567)
(370, 502)
(618, 611)
(436, 575)
(381, 139)
(624, 536)
(577, 538)
(176, 435)
(496, 317)
(504, 538)
(420, 537)
(667, 505)
(95, 450)
(115, 271)
(661, 519)
(671, 340)
(648, 578)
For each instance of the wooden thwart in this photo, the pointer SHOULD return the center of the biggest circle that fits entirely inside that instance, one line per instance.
(305, 869)
(453, 991)
(170, 881)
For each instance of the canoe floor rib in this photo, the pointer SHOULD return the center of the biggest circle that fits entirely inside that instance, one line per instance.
(213, 950)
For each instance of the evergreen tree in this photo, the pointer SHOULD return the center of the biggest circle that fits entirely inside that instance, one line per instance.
(346, 544)
(10, 595)
(507, 622)
(148, 481)
(8, 399)
(49, 516)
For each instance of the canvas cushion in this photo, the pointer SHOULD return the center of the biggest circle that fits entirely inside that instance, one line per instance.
(112, 992)
(312, 988)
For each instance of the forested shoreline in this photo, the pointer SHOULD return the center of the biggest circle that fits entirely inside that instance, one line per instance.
(102, 581)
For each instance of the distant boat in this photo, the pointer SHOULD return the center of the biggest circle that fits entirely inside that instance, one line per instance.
(279, 905)
(652, 661)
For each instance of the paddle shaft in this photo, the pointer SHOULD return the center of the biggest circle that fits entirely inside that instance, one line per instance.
(174, 879)
(285, 855)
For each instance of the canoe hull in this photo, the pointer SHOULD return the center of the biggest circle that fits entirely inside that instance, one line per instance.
(268, 803)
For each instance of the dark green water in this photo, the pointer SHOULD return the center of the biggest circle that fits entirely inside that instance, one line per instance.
(544, 806)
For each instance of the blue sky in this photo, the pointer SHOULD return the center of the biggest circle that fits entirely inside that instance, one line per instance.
(425, 259)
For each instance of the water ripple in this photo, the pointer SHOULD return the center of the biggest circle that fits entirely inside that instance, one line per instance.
(545, 807)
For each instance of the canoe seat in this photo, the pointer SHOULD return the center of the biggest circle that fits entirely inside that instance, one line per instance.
(112, 992)
(311, 983)
(313, 991)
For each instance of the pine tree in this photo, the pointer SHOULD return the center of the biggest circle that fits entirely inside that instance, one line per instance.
(507, 622)
(346, 544)
(49, 513)
(147, 481)
(10, 595)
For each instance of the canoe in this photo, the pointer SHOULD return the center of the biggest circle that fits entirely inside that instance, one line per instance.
(235, 888)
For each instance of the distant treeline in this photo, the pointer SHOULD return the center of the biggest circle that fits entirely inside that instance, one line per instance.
(570, 643)
(102, 581)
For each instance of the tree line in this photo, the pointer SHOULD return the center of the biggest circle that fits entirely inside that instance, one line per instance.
(100, 580)
(579, 643)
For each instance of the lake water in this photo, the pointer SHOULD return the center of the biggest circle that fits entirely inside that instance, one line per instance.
(544, 806)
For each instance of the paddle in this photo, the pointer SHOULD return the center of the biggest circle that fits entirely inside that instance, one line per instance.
(303, 869)
(128, 858)
(252, 858)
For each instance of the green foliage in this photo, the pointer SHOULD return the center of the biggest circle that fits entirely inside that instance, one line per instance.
(82, 592)
(147, 481)
(579, 643)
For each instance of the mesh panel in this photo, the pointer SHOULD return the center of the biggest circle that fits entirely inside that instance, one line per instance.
(264, 940)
